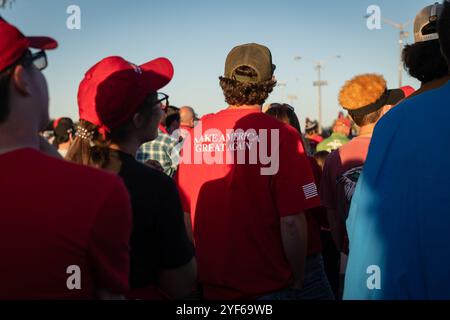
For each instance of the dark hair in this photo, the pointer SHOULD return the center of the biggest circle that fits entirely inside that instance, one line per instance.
(96, 151)
(63, 130)
(5, 80)
(49, 126)
(172, 110)
(172, 118)
(285, 114)
(365, 119)
(242, 93)
(311, 127)
(321, 157)
(444, 31)
(424, 61)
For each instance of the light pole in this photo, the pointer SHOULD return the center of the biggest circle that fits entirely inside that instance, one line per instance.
(319, 84)
(282, 85)
(292, 98)
(402, 36)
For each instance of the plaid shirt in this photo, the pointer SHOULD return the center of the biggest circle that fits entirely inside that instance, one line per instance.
(163, 149)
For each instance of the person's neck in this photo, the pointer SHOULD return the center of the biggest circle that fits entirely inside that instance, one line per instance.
(17, 137)
(64, 146)
(130, 146)
(246, 106)
(367, 130)
(182, 124)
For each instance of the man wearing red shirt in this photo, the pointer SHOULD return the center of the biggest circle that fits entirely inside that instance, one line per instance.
(74, 244)
(245, 183)
(187, 117)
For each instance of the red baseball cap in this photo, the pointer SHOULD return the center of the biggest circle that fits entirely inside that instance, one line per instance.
(13, 44)
(343, 122)
(407, 90)
(113, 89)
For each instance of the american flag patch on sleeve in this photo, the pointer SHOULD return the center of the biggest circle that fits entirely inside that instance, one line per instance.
(310, 191)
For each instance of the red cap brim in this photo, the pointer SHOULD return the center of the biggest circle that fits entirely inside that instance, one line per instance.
(157, 73)
(43, 43)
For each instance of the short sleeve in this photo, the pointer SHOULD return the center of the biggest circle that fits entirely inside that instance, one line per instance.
(174, 249)
(109, 240)
(173, 153)
(294, 186)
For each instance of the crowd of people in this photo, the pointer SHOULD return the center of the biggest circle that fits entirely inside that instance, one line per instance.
(149, 201)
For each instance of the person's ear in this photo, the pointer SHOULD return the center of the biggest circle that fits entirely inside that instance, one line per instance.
(21, 80)
(138, 120)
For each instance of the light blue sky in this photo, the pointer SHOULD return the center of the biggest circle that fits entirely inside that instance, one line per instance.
(197, 35)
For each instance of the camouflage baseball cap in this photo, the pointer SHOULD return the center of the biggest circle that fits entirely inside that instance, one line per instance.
(425, 24)
(255, 56)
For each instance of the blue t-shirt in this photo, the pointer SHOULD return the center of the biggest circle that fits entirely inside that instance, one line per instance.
(399, 221)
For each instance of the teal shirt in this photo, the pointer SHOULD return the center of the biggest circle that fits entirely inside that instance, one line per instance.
(333, 142)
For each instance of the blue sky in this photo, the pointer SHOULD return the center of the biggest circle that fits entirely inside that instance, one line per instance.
(197, 35)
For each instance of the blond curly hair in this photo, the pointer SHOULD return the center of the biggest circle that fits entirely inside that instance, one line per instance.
(361, 91)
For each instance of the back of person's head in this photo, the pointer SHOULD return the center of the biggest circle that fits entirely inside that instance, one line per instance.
(118, 100)
(342, 126)
(311, 127)
(187, 116)
(284, 113)
(321, 157)
(173, 122)
(444, 31)
(64, 130)
(366, 98)
(19, 65)
(172, 110)
(423, 59)
(169, 112)
(360, 92)
(248, 77)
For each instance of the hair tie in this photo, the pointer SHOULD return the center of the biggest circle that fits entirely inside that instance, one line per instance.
(85, 134)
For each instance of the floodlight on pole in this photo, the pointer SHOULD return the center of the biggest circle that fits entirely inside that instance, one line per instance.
(282, 85)
(403, 35)
(319, 64)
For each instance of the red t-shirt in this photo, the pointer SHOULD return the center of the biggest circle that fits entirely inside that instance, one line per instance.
(235, 209)
(163, 129)
(335, 184)
(316, 138)
(54, 215)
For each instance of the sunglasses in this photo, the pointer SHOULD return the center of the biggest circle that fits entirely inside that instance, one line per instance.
(163, 100)
(38, 59)
(281, 105)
